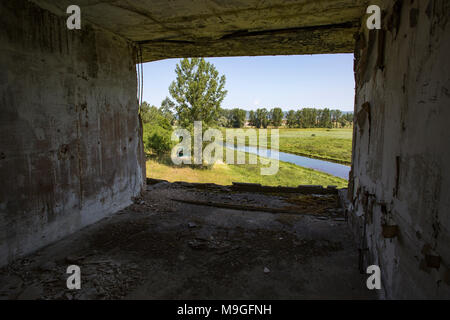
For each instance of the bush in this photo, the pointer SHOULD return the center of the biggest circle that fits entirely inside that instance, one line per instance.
(157, 136)
(159, 140)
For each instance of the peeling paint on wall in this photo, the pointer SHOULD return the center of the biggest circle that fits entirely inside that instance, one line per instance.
(402, 113)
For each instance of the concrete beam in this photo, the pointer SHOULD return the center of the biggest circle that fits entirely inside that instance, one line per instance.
(204, 28)
(332, 39)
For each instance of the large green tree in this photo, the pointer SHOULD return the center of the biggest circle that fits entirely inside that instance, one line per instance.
(225, 118)
(148, 112)
(262, 118)
(276, 117)
(309, 117)
(198, 92)
(291, 119)
(299, 118)
(238, 117)
(252, 118)
(167, 109)
(325, 118)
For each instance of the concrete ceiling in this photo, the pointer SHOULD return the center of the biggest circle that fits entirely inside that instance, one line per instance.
(183, 28)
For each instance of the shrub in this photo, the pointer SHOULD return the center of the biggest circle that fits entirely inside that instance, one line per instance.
(159, 140)
(157, 136)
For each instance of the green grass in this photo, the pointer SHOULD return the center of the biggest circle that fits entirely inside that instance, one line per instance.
(288, 174)
(326, 144)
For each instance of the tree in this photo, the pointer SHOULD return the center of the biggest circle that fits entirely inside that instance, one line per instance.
(291, 120)
(299, 118)
(167, 109)
(238, 118)
(346, 119)
(308, 117)
(198, 92)
(276, 117)
(315, 117)
(262, 118)
(224, 118)
(252, 118)
(325, 118)
(148, 112)
(349, 117)
(336, 116)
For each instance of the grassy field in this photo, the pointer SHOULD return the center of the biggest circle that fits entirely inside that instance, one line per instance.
(288, 174)
(326, 144)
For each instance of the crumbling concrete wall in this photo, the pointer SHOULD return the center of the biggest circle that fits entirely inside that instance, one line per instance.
(71, 146)
(401, 155)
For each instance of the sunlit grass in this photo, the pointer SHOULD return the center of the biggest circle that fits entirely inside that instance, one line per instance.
(326, 144)
(223, 174)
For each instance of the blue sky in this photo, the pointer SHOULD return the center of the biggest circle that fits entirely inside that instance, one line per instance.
(288, 82)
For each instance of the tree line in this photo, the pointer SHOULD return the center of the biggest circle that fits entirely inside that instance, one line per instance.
(302, 118)
(318, 118)
(259, 118)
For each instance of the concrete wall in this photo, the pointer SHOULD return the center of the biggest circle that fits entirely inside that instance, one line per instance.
(401, 152)
(70, 140)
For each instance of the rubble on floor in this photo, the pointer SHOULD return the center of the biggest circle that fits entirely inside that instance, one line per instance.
(160, 248)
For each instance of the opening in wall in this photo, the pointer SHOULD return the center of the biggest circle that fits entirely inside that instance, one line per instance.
(279, 120)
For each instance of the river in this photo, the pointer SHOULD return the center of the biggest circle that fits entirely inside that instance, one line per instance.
(335, 169)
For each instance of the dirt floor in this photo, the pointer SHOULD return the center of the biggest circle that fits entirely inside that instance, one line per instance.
(167, 246)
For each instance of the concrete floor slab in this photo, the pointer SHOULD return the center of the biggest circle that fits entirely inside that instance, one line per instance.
(163, 249)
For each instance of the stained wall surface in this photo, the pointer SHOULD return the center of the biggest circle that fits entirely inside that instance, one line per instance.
(71, 150)
(401, 155)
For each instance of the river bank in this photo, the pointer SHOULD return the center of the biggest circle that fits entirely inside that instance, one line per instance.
(288, 174)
